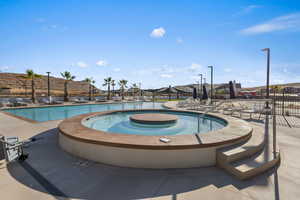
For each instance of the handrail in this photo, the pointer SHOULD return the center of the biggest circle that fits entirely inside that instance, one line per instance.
(206, 111)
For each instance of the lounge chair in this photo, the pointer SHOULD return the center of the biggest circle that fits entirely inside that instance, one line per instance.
(129, 99)
(50, 101)
(45, 101)
(80, 100)
(100, 99)
(13, 149)
(116, 98)
(16, 102)
(233, 108)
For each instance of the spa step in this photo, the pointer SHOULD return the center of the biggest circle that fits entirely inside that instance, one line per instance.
(242, 150)
(254, 165)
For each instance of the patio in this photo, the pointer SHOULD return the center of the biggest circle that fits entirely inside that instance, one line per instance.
(50, 173)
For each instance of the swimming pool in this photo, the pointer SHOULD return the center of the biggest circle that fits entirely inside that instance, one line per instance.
(186, 123)
(42, 114)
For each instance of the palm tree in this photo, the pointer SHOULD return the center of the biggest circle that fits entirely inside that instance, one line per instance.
(31, 75)
(134, 88)
(113, 84)
(107, 82)
(68, 77)
(89, 80)
(123, 85)
(93, 87)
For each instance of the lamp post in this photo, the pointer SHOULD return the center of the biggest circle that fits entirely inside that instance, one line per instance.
(211, 82)
(198, 83)
(140, 86)
(48, 84)
(268, 75)
(201, 76)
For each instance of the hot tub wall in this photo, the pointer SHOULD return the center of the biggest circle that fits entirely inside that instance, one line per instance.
(140, 158)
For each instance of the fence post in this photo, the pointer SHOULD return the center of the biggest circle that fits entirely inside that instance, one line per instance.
(282, 102)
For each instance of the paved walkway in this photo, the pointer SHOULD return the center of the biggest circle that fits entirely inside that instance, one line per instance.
(50, 172)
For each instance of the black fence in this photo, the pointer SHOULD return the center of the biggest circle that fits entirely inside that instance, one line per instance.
(287, 105)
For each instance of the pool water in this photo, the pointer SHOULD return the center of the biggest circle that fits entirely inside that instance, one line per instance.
(42, 114)
(187, 123)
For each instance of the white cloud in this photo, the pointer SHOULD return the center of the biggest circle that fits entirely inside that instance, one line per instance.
(166, 75)
(194, 67)
(227, 70)
(246, 10)
(81, 64)
(179, 40)
(158, 32)
(4, 68)
(116, 69)
(286, 22)
(102, 63)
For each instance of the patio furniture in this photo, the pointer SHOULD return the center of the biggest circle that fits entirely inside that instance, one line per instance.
(16, 102)
(45, 101)
(116, 98)
(50, 101)
(13, 149)
(100, 99)
(80, 100)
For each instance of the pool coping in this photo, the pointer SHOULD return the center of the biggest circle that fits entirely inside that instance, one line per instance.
(2, 110)
(235, 130)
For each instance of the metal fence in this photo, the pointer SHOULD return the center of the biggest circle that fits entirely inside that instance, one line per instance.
(287, 105)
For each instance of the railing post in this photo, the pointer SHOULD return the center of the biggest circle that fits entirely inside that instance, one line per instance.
(199, 123)
(274, 127)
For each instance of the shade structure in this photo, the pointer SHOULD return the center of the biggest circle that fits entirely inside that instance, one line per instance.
(204, 96)
(195, 93)
(231, 90)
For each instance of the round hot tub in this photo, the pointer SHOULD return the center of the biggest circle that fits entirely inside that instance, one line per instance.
(151, 138)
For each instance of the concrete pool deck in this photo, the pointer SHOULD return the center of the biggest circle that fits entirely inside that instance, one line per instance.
(50, 172)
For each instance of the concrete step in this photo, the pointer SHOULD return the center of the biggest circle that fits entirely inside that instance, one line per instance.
(254, 165)
(242, 150)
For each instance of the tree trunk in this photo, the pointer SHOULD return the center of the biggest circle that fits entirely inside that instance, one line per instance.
(32, 90)
(90, 92)
(122, 93)
(66, 96)
(108, 92)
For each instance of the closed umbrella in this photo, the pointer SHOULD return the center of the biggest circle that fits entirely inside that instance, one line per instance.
(204, 96)
(231, 90)
(194, 93)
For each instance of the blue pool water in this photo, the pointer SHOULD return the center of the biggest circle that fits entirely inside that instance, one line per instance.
(62, 112)
(187, 123)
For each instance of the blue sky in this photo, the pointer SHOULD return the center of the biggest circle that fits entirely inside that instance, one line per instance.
(154, 42)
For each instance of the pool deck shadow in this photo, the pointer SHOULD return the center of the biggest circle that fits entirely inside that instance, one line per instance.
(62, 174)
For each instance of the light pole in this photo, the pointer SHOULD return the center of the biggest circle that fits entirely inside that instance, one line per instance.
(48, 84)
(198, 83)
(211, 82)
(201, 76)
(268, 75)
(140, 85)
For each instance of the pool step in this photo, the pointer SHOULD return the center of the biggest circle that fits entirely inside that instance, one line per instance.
(250, 158)
(232, 153)
(254, 165)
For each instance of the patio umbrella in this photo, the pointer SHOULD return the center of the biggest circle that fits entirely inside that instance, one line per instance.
(195, 93)
(204, 96)
(231, 90)
(170, 88)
